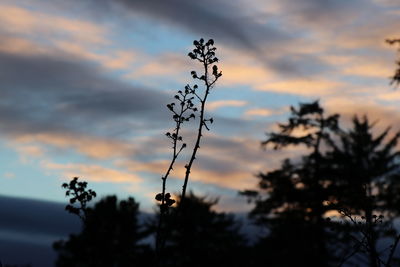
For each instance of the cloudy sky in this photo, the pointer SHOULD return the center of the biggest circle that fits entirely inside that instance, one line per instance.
(84, 84)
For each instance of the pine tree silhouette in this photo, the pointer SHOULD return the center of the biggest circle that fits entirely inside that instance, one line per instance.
(290, 202)
(366, 170)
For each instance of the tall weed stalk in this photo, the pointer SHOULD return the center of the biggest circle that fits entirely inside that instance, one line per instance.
(184, 109)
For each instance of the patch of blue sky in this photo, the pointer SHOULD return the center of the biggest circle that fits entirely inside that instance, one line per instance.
(28, 178)
(229, 112)
(387, 102)
(367, 82)
(162, 83)
(34, 181)
(151, 36)
(9, 155)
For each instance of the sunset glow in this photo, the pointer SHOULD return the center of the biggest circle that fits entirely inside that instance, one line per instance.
(84, 87)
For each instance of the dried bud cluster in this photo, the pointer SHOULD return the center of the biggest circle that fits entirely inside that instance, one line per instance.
(205, 53)
(185, 105)
(183, 109)
(168, 201)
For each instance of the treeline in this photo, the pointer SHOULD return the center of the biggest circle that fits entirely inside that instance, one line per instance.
(112, 236)
(333, 206)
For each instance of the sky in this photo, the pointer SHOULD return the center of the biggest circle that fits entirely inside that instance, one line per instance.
(84, 86)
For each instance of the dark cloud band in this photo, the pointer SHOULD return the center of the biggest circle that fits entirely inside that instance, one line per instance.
(55, 93)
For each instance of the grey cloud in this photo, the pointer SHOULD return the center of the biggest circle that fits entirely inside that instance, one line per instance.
(326, 14)
(229, 126)
(227, 23)
(56, 93)
(212, 19)
(299, 65)
(223, 20)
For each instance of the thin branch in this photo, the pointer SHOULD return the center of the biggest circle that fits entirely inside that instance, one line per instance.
(179, 117)
(207, 57)
(392, 250)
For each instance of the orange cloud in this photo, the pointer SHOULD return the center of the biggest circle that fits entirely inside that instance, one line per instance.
(8, 175)
(259, 112)
(367, 66)
(307, 87)
(31, 150)
(164, 64)
(94, 173)
(94, 147)
(214, 105)
(229, 179)
(228, 163)
(392, 96)
(15, 45)
(347, 108)
(18, 20)
(115, 60)
(244, 73)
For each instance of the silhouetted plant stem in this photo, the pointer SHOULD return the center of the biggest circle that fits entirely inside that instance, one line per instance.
(346, 258)
(371, 235)
(197, 145)
(367, 241)
(392, 250)
(186, 104)
(205, 54)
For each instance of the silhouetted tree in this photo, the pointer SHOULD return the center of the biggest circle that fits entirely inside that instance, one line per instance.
(291, 201)
(366, 171)
(110, 237)
(350, 171)
(200, 236)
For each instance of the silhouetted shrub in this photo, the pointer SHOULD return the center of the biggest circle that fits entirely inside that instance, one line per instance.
(200, 236)
(110, 237)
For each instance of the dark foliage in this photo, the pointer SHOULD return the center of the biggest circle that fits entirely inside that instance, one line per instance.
(367, 181)
(290, 202)
(110, 237)
(78, 194)
(351, 172)
(366, 169)
(199, 236)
